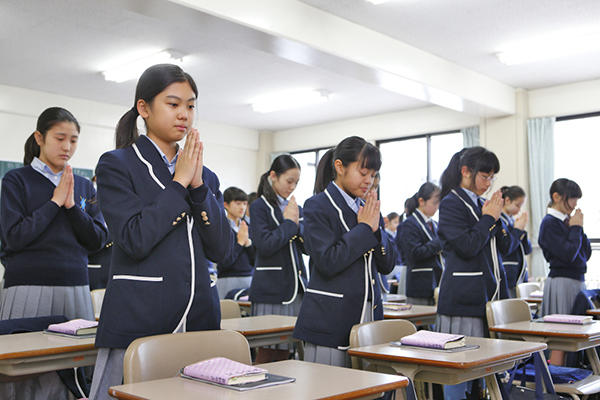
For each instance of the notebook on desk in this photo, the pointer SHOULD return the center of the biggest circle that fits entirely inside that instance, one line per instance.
(75, 328)
(568, 319)
(434, 340)
(231, 374)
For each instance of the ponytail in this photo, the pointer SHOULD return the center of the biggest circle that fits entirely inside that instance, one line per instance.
(279, 165)
(46, 121)
(476, 159)
(154, 80)
(426, 192)
(127, 133)
(32, 149)
(349, 150)
(325, 172)
(512, 192)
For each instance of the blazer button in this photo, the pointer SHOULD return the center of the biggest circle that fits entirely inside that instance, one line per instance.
(174, 223)
(178, 219)
(207, 223)
(203, 213)
(183, 214)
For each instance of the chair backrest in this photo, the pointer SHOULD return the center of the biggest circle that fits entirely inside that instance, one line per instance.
(525, 289)
(97, 298)
(436, 295)
(378, 332)
(506, 311)
(162, 356)
(230, 309)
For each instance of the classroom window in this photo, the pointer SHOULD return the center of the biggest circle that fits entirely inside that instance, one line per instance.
(410, 162)
(308, 161)
(576, 144)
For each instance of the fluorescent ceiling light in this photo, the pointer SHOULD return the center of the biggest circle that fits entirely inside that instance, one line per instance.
(132, 69)
(557, 45)
(288, 99)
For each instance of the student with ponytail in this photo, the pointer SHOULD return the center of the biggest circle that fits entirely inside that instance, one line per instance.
(348, 246)
(421, 246)
(165, 215)
(49, 221)
(514, 261)
(276, 230)
(474, 236)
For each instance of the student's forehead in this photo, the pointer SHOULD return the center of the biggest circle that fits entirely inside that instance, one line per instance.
(180, 90)
(65, 128)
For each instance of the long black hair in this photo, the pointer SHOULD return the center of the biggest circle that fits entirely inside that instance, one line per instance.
(46, 121)
(279, 165)
(234, 194)
(153, 81)
(426, 192)
(349, 150)
(567, 188)
(512, 192)
(476, 159)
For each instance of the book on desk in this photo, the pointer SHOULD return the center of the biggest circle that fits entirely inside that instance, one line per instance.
(74, 328)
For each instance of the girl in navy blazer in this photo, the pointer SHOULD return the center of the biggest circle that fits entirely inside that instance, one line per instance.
(474, 237)
(566, 248)
(235, 272)
(164, 212)
(49, 221)
(515, 262)
(421, 246)
(280, 277)
(348, 247)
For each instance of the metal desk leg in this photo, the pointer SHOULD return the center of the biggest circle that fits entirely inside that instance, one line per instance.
(594, 360)
(493, 388)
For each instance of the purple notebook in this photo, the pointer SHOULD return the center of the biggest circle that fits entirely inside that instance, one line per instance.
(74, 327)
(569, 319)
(225, 371)
(433, 340)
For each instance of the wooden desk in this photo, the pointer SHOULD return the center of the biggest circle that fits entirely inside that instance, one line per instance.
(35, 352)
(263, 330)
(566, 337)
(492, 356)
(418, 315)
(594, 311)
(313, 381)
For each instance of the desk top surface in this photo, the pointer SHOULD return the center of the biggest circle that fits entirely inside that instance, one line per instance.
(490, 352)
(312, 381)
(32, 344)
(414, 312)
(260, 324)
(594, 311)
(586, 331)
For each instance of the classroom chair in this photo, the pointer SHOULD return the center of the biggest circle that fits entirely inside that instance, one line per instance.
(436, 295)
(515, 310)
(163, 356)
(230, 309)
(97, 298)
(525, 289)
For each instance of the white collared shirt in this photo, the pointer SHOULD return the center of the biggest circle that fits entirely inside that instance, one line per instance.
(557, 214)
(426, 219)
(170, 164)
(473, 196)
(45, 170)
(353, 203)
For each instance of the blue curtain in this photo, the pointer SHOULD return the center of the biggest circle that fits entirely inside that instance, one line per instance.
(540, 139)
(470, 136)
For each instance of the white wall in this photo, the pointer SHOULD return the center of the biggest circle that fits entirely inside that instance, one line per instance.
(230, 151)
(574, 98)
(383, 126)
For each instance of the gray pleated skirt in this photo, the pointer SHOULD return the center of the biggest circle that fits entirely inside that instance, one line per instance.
(330, 355)
(291, 309)
(469, 326)
(420, 301)
(108, 372)
(559, 295)
(225, 285)
(41, 301)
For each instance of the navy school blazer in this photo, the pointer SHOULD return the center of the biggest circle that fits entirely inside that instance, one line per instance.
(514, 261)
(346, 257)
(279, 272)
(162, 234)
(469, 279)
(240, 261)
(421, 249)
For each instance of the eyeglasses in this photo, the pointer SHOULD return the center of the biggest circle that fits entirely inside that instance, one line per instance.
(489, 178)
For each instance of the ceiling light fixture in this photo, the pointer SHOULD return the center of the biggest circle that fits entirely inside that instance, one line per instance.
(288, 99)
(132, 69)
